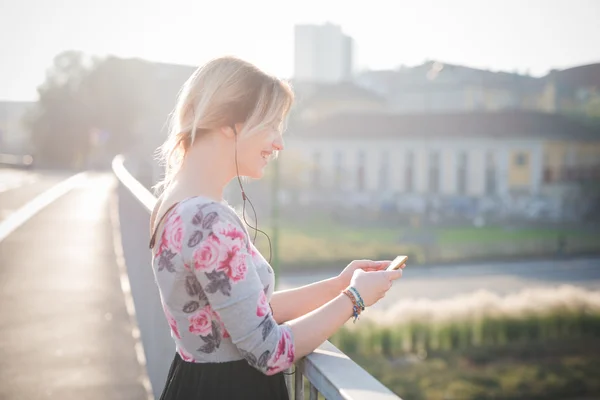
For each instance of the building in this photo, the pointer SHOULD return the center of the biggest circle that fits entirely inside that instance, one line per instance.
(315, 101)
(578, 89)
(14, 135)
(437, 87)
(322, 54)
(502, 156)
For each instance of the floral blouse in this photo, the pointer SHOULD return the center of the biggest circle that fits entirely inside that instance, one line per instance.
(215, 289)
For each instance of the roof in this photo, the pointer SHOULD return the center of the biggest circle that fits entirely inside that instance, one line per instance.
(507, 124)
(576, 77)
(12, 110)
(167, 70)
(433, 74)
(315, 92)
(15, 105)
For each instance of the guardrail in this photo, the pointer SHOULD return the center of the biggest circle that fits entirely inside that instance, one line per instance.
(13, 160)
(329, 371)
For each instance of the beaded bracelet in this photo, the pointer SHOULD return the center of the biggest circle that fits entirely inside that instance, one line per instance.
(359, 299)
(356, 308)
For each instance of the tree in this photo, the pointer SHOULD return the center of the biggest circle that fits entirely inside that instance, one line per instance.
(57, 120)
(84, 95)
(119, 92)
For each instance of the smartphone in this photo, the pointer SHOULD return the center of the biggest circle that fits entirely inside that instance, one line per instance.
(397, 263)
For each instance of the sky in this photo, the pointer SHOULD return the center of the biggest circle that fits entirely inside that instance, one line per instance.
(531, 36)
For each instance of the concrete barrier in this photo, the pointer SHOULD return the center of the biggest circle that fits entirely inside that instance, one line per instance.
(134, 215)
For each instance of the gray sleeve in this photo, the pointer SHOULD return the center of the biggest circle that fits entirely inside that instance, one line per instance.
(216, 248)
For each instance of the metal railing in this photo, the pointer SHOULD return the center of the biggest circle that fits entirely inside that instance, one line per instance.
(328, 371)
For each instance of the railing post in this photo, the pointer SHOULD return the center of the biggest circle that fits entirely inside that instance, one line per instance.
(314, 393)
(289, 381)
(299, 384)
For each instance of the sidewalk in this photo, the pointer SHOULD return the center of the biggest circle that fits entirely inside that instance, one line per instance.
(64, 328)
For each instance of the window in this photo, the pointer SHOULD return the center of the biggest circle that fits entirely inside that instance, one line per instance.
(360, 173)
(462, 168)
(521, 159)
(434, 172)
(338, 160)
(548, 173)
(409, 172)
(490, 174)
(316, 170)
(384, 170)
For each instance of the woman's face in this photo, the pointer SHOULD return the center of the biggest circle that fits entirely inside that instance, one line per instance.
(255, 151)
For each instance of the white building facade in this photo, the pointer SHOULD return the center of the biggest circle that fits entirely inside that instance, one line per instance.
(14, 135)
(444, 167)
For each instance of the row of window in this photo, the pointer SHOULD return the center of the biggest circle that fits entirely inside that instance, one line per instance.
(434, 173)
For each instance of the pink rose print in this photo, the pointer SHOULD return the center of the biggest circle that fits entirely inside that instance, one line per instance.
(283, 357)
(201, 322)
(224, 332)
(172, 236)
(185, 356)
(229, 231)
(256, 256)
(172, 322)
(208, 254)
(234, 265)
(232, 260)
(263, 305)
(290, 346)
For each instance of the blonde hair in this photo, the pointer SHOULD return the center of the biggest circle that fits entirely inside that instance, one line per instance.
(223, 92)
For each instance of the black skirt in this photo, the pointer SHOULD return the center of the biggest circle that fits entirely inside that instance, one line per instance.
(221, 381)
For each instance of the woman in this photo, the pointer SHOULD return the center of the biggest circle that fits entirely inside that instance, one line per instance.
(233, 335)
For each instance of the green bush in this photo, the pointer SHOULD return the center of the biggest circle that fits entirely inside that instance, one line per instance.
(545, 355)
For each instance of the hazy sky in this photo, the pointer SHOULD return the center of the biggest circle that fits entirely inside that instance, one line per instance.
(534, 35)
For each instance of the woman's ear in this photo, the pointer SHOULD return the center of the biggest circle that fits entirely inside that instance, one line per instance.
(238, 128)
(227, 131)
(232, 130)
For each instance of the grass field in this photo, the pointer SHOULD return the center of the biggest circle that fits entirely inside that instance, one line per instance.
(322, 242)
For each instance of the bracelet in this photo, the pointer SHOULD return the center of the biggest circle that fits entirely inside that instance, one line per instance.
(360, 301)
(356, 309)
(352, 297)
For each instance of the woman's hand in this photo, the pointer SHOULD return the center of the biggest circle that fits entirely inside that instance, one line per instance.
(366, 265)
(373, 286)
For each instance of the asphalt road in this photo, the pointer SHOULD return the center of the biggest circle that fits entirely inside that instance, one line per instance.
(501, 278)
(64, 328)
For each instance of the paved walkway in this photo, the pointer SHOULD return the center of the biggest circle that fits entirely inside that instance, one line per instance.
(64, 328)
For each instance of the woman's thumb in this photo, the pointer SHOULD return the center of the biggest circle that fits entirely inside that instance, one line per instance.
(392, 275)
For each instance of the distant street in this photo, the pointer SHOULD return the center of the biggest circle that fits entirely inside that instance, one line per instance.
(444, 282)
